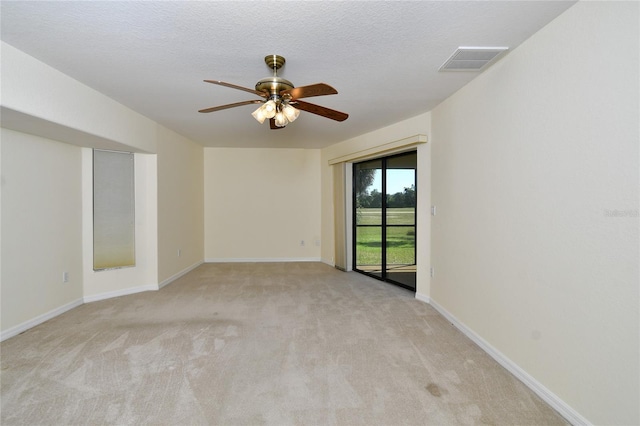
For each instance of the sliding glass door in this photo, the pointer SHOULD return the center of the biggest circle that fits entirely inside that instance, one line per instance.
(384, 218)
(400, 213)
(368, 217)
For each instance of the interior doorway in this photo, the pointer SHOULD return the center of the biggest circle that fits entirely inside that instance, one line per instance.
(384, 218)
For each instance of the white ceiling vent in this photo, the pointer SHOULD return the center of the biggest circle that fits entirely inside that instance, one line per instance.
(472, 58)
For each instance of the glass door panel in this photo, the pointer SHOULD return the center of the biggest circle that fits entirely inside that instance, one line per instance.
(400, 215)
(369, 249)
(368, 217)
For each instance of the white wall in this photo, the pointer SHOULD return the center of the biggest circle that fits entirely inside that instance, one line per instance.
(529, 160)
(261, 203)
(180, 204)
(49, 103)
(41, 227)
(39, 100)
(370, 142)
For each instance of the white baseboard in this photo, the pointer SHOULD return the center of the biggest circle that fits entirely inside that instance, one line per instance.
(423, 298)
(261, 259)
(118, 293)
(549, 397)
(14, 331)
(179, 274)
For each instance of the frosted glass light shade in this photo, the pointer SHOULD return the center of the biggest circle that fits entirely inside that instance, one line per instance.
(281, 120)
(283, 114)
(290, 112)
(269, 109)
(259, 114)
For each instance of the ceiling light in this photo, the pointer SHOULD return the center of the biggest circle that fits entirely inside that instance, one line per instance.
(270, 108)
(266, 110)
(281, 112)
(259, 114)
(280, 119)
(290, 112)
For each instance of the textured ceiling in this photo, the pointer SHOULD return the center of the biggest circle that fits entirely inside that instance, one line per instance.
(382, 57)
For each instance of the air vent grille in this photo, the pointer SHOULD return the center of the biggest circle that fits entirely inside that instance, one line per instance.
(472, 58)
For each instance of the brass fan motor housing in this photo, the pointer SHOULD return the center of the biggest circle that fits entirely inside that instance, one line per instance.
(274, 85)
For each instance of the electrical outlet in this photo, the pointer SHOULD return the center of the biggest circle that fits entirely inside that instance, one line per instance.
(433, 210)
(179, 252)
(65, 277)
(432, 272)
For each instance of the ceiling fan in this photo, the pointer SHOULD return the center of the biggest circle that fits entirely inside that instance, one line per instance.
(281, 99)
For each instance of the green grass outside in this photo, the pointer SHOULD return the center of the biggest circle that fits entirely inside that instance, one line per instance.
(400, 240)
(398, 216)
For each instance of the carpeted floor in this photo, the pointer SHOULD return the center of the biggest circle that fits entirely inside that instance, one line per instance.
(253, 344)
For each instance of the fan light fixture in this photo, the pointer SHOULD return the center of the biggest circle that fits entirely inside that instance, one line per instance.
(279, 97)
(281, 112)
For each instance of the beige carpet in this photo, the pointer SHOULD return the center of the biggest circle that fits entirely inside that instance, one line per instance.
(253, 344)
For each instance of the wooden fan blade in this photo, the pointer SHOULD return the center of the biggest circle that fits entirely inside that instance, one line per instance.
(234, 86)
(319, 89)
(272, 124)
(237, 104)
(320, 110)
